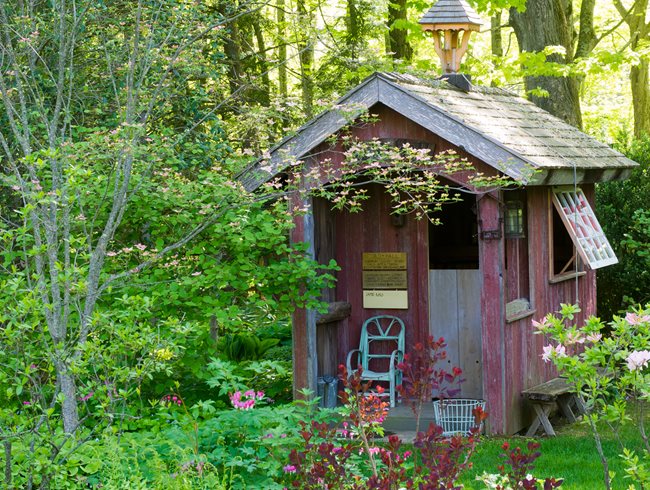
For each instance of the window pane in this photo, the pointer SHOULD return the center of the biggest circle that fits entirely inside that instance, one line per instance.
(583, 227)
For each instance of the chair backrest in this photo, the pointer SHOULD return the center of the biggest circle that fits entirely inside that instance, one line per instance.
(380, 336)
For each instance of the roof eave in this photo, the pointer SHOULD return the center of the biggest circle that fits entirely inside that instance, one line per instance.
(347, 108)
(567, 176)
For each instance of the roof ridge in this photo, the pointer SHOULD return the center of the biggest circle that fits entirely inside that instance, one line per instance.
(451, 12)
(443, 84)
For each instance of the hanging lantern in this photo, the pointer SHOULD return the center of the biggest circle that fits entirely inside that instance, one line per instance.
(514, 219)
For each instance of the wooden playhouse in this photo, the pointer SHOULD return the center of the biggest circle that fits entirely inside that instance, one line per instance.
(498, 260)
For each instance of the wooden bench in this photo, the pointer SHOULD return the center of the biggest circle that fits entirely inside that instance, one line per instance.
(545, 397)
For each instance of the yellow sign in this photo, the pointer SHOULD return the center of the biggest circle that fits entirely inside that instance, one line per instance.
(397, 300)
(384, 280)
(374, 261)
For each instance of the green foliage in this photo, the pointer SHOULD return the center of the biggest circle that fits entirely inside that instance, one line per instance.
(273, 377)
(279, 353)
(609, 370)
(412, 177)
(245, 347)
(623, 211)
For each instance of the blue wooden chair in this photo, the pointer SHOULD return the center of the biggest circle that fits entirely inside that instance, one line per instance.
(381, 348)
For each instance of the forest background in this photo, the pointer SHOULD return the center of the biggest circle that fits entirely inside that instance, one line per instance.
(134, 265)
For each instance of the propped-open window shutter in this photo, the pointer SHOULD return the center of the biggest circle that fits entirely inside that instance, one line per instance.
(583, 227)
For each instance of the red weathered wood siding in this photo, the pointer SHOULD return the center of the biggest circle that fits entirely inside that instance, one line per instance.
(511, 351)
(523, 348)
(373, 231)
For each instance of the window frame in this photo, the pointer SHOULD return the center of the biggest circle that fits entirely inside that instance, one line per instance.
(589, 241)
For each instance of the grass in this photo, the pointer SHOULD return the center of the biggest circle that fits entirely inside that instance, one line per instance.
(571, 455)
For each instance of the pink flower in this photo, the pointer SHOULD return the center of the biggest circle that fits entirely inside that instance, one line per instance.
(289, 468)
(594, 337)
(574, 338)
(87, 397)
(541, 325)
(637, 360)
(245, 401)
(550, 352)
(635, 319)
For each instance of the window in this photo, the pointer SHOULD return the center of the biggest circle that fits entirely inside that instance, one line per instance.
(575, 227)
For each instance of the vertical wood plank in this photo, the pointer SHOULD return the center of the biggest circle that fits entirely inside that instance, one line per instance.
(443, 312)
(469, 332)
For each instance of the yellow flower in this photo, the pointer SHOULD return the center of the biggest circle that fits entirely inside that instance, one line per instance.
(163, 354)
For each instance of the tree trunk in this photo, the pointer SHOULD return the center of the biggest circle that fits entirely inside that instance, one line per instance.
(353, 27)
(265, 90)
(639, 76)
(7, 447)
(587, 38)
(495, 34)
(398, 44)
(640, 84)
(282, 50)
(549, 23)
(70, 408)
(232, 50)
(306, 49)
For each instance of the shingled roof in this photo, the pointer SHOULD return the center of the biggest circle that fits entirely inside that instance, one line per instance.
(451, 12)
(500, 128)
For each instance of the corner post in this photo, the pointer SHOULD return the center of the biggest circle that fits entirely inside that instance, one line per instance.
(305, 354)
(491, 261)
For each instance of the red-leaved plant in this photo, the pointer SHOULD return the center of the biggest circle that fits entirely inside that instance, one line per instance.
(518, 466)
(421, 378)
(325, 460)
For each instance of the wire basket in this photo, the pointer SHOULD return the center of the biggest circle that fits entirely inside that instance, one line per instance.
(455, 415)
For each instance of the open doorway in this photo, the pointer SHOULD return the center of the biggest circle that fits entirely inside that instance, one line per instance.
(455, 290)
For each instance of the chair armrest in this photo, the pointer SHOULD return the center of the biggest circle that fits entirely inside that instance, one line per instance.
(348, 362)
(396, 357)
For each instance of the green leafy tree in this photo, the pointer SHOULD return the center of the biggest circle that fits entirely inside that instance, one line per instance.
(635, 16)
(623, 207)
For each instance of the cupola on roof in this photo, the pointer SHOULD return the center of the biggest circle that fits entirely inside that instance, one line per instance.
(448, 13)
(451, 22)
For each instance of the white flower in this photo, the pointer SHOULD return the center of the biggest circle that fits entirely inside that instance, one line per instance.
(635, 319)
(637, 360)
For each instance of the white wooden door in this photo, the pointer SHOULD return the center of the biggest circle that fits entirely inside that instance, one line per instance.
(455, 314)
